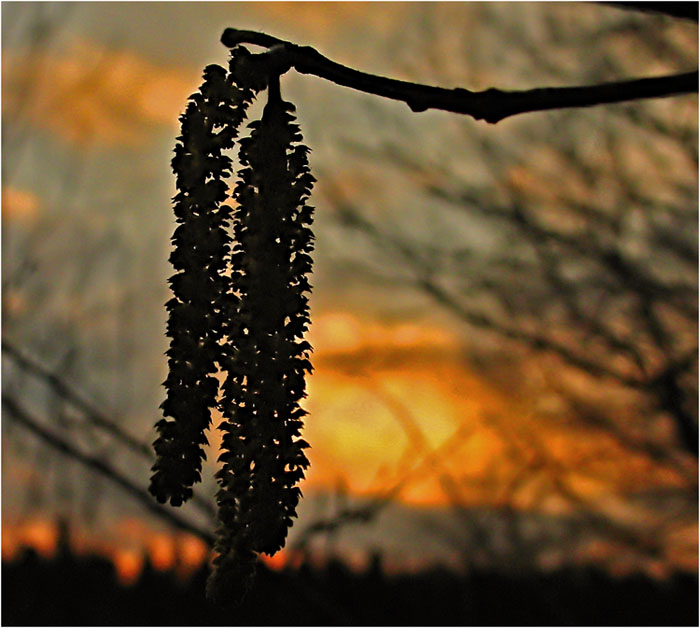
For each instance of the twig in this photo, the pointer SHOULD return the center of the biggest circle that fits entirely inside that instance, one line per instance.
(91, 414)
(64, 391)
(491, 105)
(425, 282)
(104, 469)
(140, 495)
(685, 10)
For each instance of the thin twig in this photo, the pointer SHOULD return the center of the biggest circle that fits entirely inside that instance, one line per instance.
(491, 105)
(63, 390)
(103, 468)
(91, 413)
(115, 476)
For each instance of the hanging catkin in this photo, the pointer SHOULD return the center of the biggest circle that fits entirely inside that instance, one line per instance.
(201, 243)
(267, 358)
(240, 310)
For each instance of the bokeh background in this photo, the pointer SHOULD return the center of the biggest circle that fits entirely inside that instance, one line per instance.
(504, 317)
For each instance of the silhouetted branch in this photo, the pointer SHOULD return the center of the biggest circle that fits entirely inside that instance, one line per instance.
(349, 515)
(685, 10)
(366, 512)
(103, 468)
(660, 455)
(91, 414)
(64, 391)
(587, 508)
(491, 105)
(480, 320)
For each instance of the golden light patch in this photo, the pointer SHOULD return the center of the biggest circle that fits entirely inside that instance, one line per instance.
(336, 331)
(91, 94)
(191, 552)
(162, 551)
(19, 206)
(401, 427)
(128, 564)
(395, 410)
(383, 400)
(38, 534)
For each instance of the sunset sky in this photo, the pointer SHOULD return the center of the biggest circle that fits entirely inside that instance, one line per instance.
(399, 407)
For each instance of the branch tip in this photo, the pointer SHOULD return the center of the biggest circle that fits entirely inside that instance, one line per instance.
(491, 105)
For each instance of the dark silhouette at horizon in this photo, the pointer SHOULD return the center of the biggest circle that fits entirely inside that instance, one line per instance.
(84, 590)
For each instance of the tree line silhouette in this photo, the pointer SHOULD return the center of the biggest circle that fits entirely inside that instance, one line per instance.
(81, 590)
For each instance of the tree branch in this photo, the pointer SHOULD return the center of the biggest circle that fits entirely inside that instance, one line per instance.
(104, 469)
(91, 413)
(64, 391)
(685, 10)
(491, 105)
(115, 476)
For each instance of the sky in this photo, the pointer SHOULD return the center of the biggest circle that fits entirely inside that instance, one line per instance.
(91, 93)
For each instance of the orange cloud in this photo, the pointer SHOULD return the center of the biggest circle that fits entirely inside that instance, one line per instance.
(91, 94)
(343, 332)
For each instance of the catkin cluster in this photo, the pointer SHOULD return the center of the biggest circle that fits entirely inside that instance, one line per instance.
(267, 359)
(238, 316)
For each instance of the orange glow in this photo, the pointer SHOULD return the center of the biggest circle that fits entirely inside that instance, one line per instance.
(362, 428)
(192, 552)
(166, 550)
(41, 535)
(126, 545)
(19, 205)
(375, 438)
(94, 94)
(128, 564)
(38, 534)
(276, 562)
(395, 410)
(162, 551)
